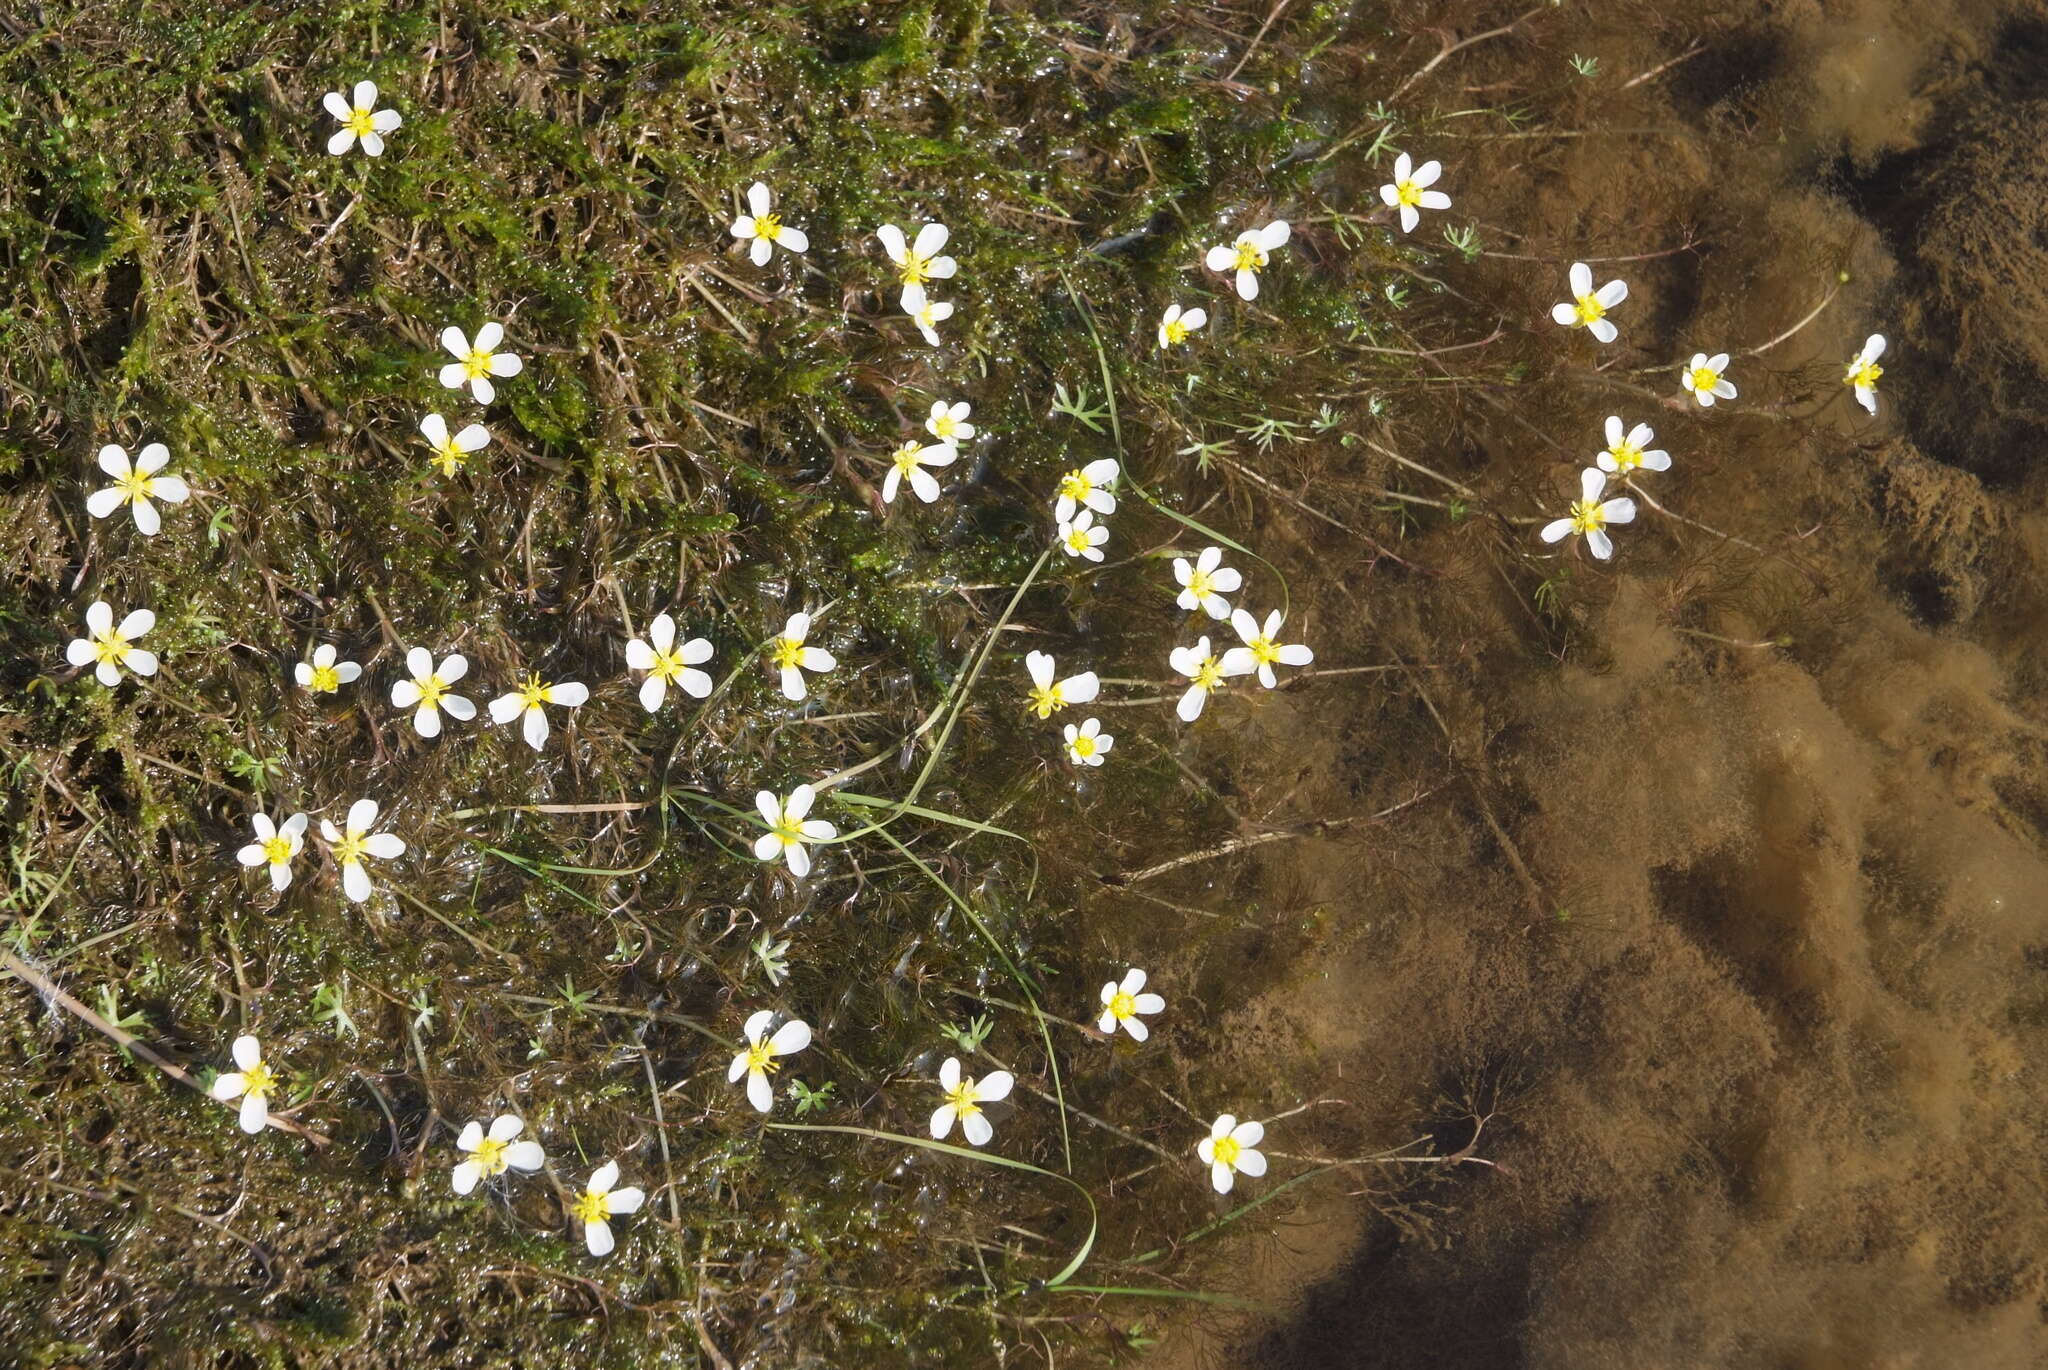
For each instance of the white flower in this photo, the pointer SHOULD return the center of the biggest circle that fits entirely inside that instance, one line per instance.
(1088, 745)
(361, 120)
(926, 312)
(1702, 376)
(908, 461)
(1176, 324)
(109, 645)
(948, 422)
(490, 1154)
(666, 663)
(766, 230)
(1086, 485)
(1248, 255)
(1204, 670)
(1122, 1003)
(1229, 1149)
(1627, 451)
(1047, 695)
(451, 452)
(1591, 516)
(793, 658)
(1204, 584)
(599, 1203)
(323, 675)
(919, 261)
(1588, 308)
(964, 1098)
(354, 842)
(275, 845)
(475, 364)
(136, 486)
(527, 701)
(1410, 188)
(1082, 536)
(1260, 650)
(758, 1061)
(428, 688)
(789, 829)
(1863, 371)
(253, 1084)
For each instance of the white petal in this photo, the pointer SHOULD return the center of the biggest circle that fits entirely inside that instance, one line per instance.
(817, 659)
(228, 1086)
(767, 847)
(465, 1176)
(796, 240)
(930, 239)
(470, 1137)
(481, 389)
(247, 1051)
(355, 881)
(458, 706)
(1603, 330)
(341, 141)
(534, 727)
(1252, 1163)
(384, 846)
(337, 105)
(1581, 278)
(505, 708)
(361, 815)
(1221, 258)
(597, 1237)
(760, 252)
(373, 144)
(525, 1156)
(758, 200)
(251, 855)
(569, 694)
(975, 1128)
(101, 503)
(426, 720)
(799, 802)
(1222, 1177)
(404, 694)
(505, 1127)
(627, 1200)
(792, 1037)
(653, 691)
(364, 96)
(1619, 510)
(255, 1113)
(1599, 544)
(136, 624)
(1151, 1003)
(942, 1120)
(1612, 294)
(949, 1074)
(1591, 483)
(797, 859)
(892, 242)
(760, 1093)
(1564, 314)
(386, 121)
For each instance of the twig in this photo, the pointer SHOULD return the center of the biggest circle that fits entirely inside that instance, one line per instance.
(1314, 829)
(1253, 46)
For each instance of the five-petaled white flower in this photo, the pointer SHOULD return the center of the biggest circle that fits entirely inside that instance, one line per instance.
(1204, 670)
(765, 229)
(492, 1153)
(1088, 745)
(1204, 584)
(1410, 188)
(275, 846)
(599, 1203)
(964, 1098)
(323, 675)
(1087, 486)
(908, 461)
(758, 1061)
(450, 452)
(1247, 256)
(948, 422)
(1590, 515)
(1702, 376)
(926, 312)
(428, 687)
(1082, 536)
(253, 1084)
(1588, 307)
(135, 486)
(527, 702)
(1048, 695)
(789, 828)
(475, 363)
(361, 120)
(354, 841)
(919, 261)
(1260, 650)
(1123, 1002)
(792, 657)
(111, 647)
(1863, 371)
(666, 663)
(1177, 323)
(1230, 1148)
(1626, 451)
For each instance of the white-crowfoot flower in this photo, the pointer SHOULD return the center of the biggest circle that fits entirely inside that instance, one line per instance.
(667, 664)
(1048, 696)
(528, 700)
(1588, 307)
(427, 686)
(758, 1061)
(1230, 1148)
(1247, 256)
(1702, 376)
(492, 1153)
(450, 452)
(908, 461)
(789, 828)
(1081, 536)
(1204, 670)
(964, 1098)
(1590, 515)
(354, 841)
(1863, 371)
(135, 486)
(361, 120)
(1086, 486)
(323, 675)
(599, 1203)
(1410, 189)
(253, 1083)
(275, 846)
(1177, 323)
(919, 261)
(1204, 584)
(1088, 745)
(475, 363)
(765, 228)
(110, 648)
(792, 657)
(1261, 649)
(1123, 1001)
(926, 312)
(948, 422)
(1627, 451)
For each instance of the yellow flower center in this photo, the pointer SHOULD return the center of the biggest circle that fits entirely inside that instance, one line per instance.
(667, 665)
(532, 693)
(761, 1057)
(904, 458)
(1264, 650)
(961, 1097)
(257, 1081)
(1209, 675)
(1075, 486)
(431, 689)
(927, 316)
(1250, 256)
(1084, 746)
(1227, 1151)
(1077, 540)
(1201, 585)
(351, 847)
(1627, 456)
(134, 485)
(1122, 1005)
(1588, 516)
(277, 850)
(448, 456)
(591, 1207)
(1045, 699)
(490, 1157)
(1705, 378)
(477, 363)
(1175, 331)
(944, 426)
(787, 651)
(1590, 308)
(768, 226)
(1407, 192)
(1863, 374)
(360, 123)
(915, 270)
(109, 647)
(792, 834)
(324, 680)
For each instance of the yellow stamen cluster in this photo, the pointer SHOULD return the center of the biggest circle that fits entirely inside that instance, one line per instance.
(324, 680)
(277, 850)
(1705, 378)
(787, 651)
(904, 458)
(768, 226)
(1408, 193)
(1122, 1006)
(361, 123)
(1210, 675)
(110, 647)
(1588, 516)
(1045, 699)
(447, 455)
(1176, 332)
(257, 1081)
(1264, 650)
(1077, 540)
(490, 1157)
(667, 665)
(1250, 256)
(477, 363)
(1084, 745)
(944, 426)
(761, 1057)
(1863, 373)
(1077, 487)
(961, 1097)
(1200, 584)
(1590, 309)
(532, 692)
(1626, 455)
(590, 1207)
(351, 848)
(135, 486)
(431, 689)
(915, 269)
(1226, 1150)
